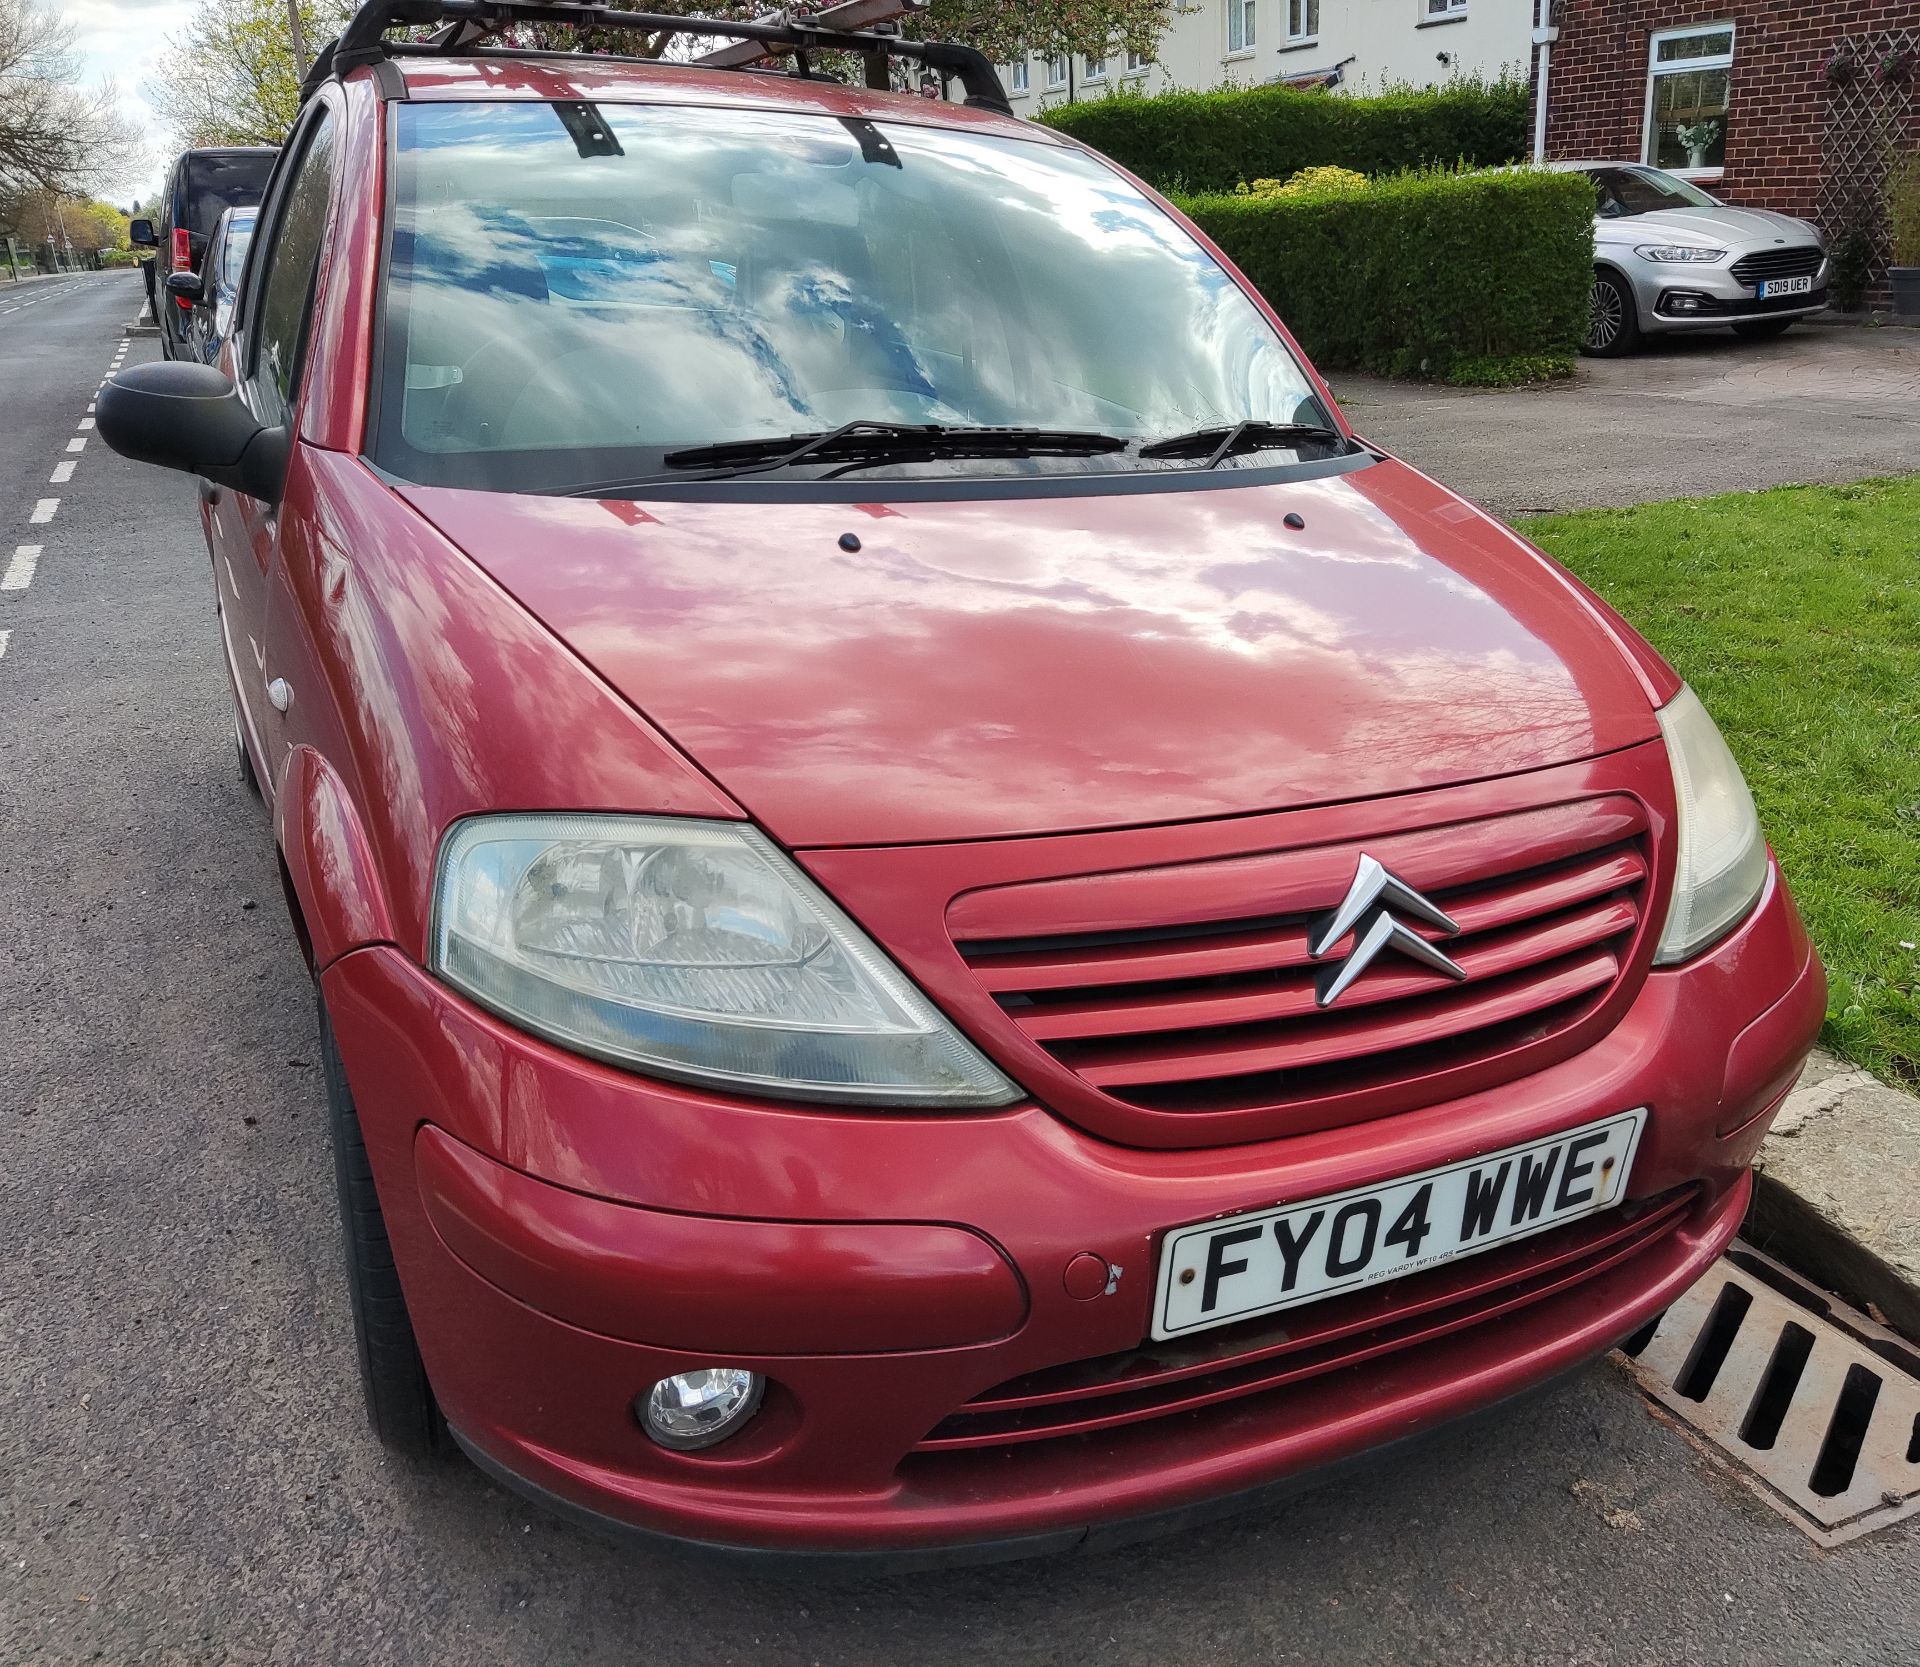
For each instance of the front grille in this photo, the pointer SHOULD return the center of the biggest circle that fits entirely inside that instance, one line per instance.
(1201, 1015)
(1160, 1380)
(1800, 261)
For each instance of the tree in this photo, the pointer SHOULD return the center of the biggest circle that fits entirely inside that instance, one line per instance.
(55, 135)
(229, 79)
(1009, 29)
(82, 223)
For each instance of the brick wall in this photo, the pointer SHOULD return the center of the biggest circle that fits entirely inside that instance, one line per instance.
(1777, 93)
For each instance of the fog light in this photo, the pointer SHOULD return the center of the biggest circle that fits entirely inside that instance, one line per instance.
(691, 1410)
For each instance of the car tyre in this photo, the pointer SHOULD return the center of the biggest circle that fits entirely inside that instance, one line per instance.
(1762, 329)
(393, 1380)
(249, 778)
(1613, 318)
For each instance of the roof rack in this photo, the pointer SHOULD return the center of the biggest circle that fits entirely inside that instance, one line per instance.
(469, 22)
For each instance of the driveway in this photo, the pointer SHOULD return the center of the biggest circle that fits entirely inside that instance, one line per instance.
(1689, 416)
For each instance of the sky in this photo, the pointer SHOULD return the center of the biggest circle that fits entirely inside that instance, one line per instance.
(119, 41)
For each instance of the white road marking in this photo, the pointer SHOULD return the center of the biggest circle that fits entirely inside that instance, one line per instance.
(90, 405)
(19, 573)
(43, 511)
(62, 473)
(76, 445)
(86, 422)
(3, 643)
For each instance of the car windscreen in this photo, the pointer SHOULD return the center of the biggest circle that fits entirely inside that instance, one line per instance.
(575, 291)
(1626, 191)
(233, 253)
(216, 182)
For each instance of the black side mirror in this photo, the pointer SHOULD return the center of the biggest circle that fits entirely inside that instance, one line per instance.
(186, 285)
(142, 232)
(190, 417)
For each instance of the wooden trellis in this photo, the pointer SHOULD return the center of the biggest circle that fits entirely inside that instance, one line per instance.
(1870, 119)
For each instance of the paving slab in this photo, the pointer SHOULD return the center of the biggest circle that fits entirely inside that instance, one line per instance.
(1689, 416)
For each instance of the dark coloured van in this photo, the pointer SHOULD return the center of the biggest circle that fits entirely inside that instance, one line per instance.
(202, 185)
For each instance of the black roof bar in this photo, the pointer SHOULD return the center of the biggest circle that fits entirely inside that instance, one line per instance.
(364, 41)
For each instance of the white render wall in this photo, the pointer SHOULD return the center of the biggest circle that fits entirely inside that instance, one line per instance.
(1390, 41)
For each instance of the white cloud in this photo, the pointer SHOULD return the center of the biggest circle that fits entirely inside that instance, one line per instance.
(121, 41)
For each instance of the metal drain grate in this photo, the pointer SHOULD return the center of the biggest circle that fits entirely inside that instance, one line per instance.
(1817, 1406)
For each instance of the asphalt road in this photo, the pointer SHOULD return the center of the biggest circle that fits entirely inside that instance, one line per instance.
(184, 1474)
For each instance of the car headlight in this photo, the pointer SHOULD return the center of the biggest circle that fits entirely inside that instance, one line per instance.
(691, 950)
(1677, 251)
(1722, 857)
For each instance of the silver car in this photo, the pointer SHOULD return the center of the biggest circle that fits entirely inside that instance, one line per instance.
(1666, 256)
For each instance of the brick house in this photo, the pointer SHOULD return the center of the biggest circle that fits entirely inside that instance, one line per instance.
(1791, 105)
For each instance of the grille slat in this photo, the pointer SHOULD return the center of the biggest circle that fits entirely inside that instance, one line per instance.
(1162, 990)
(1350, 1035)
(1802, 260)
(1291, 995)
(1283, 943)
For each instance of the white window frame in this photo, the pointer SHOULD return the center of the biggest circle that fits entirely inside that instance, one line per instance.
(1306, 36)
(1095, 69)
(1056, 82)
(1137, 62)
(1679, 66)
(1019, 80)
(1242, 12)
(1440, 11)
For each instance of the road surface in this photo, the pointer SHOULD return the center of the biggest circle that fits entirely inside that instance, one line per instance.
(185, 1477)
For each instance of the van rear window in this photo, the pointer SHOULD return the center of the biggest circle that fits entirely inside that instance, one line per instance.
(217, 183)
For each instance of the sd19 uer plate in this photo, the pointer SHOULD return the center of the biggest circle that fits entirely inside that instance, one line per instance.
(1232, 1269)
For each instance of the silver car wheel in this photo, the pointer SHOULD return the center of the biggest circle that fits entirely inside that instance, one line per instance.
(1606, 314)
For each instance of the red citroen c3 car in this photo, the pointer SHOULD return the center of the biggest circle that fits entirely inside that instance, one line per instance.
(947, 919)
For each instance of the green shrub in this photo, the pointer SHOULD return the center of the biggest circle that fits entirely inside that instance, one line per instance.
(1212, 141)
(1305, 183)
(1419, 272)
(1903, 210)
(1509, 370)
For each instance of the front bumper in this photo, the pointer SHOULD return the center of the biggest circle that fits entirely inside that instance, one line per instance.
(1680, 296)
(567, 1234)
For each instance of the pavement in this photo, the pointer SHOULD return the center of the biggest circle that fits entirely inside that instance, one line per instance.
(1691, 415)
(1836, 1195)
(185, 1475)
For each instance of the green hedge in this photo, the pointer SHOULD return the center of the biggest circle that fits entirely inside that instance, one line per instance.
(1424, 273)
(1213, 141)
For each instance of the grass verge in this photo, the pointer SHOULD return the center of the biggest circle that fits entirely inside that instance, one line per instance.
(1795, 615)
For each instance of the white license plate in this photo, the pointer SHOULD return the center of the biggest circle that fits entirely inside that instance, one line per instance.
(1785, 286)
(1217, 1272)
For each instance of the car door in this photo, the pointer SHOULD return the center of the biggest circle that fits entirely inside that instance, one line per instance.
(269, 348)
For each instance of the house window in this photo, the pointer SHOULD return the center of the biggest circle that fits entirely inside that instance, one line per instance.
(1137, 63)
(1303, 21)
(1687, 76)
(1239, 26)
(1097, 67)
(1438, 9)
(1017, 81)
(1056, 72)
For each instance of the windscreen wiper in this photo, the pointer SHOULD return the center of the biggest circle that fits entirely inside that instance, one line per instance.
(1223, 439)
(889, 440)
